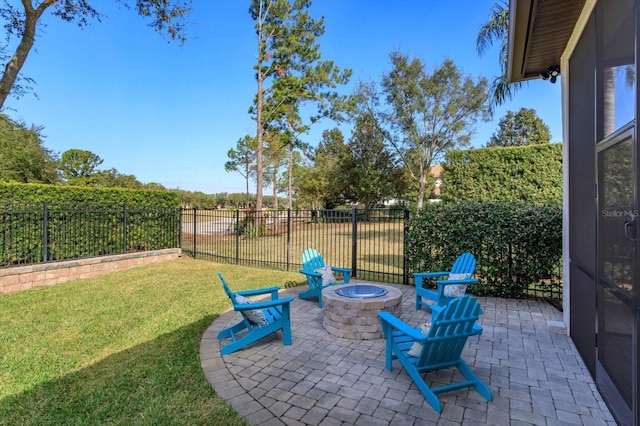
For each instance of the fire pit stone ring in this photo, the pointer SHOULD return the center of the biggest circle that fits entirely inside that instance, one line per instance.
(351, 310)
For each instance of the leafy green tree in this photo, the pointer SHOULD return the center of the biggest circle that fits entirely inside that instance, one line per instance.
(288, 178)
(521, 128)
(275, 160)
(154, 186)
(329, 154)
(22, 20)
(221, 199)
(112, 178)
(241, 160)
(369, 170)
(428, 114)
(290, 74)
(239, 199)
(295, 157)
(200, 200)
(307, 185)
(204, 201)
(23, 157)
(496, 30)
(79, 166)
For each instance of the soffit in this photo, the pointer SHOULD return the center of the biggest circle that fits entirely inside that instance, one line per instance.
(538, 34)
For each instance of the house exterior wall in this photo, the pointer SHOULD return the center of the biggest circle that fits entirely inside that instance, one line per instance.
(601, 187)
(580, 198)
(583, 66)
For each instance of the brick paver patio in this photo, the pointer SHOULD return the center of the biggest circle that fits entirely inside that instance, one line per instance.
(534, 372)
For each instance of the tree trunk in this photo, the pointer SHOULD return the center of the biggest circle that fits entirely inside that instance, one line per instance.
(13, 67)
(421, 189)
(246, 181)
(274, 216)
(290, 183)
(259, 100)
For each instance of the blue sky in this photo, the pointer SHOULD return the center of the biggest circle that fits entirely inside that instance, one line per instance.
(169, 114)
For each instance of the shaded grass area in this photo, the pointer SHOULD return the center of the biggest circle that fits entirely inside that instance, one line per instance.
(119, 349)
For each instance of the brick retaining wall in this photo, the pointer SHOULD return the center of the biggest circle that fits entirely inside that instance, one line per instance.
(44, 274)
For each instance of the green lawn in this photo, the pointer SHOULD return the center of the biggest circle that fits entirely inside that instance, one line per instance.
(119, 349)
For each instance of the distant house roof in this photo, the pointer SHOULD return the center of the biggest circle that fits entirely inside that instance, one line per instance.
(538, 34)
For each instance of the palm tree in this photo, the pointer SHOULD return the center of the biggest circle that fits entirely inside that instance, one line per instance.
(496, 30)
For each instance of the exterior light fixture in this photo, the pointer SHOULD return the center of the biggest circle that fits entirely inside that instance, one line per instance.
(551, 73)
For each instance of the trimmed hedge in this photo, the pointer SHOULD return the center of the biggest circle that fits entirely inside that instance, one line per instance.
(38, 193)
(518, 246)
(49, 223)
(530, 173)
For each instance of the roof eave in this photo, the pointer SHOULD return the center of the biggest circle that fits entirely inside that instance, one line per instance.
(539, 33)
(519, 23)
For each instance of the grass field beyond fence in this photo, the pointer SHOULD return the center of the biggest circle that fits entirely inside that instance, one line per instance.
(370, 242)
(119, 349)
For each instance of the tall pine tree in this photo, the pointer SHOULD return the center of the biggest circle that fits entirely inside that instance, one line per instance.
(290, 74)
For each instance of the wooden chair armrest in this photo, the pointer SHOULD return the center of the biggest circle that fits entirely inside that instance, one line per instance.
(419, 276)
(262, 305)
(346, 273)
(398, 324)
(311, 273)
(466, 281)
(259, 291)
(429, 274)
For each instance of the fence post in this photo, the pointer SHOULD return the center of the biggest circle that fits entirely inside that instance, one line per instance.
(237, 236)
(354, 242)
(45, 232)
(124, 229)
(288, 239)
(195, 234)
(405, 271)
(180, 227)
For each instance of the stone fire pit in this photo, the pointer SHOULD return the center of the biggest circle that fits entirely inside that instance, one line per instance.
(354, 315)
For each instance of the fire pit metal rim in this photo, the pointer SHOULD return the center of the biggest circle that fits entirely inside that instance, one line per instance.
(361, 291)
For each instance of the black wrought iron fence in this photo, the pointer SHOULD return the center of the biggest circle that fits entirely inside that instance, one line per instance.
(43, 232)
(370, 242)
(367, 241)
(373, 243)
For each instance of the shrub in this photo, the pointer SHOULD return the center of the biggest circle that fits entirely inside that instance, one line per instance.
(516, 245)
(46, 223)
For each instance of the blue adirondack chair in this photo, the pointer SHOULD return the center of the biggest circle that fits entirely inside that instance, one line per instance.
(311, 262)
(465, 264)
(441, 347)
(259, 319)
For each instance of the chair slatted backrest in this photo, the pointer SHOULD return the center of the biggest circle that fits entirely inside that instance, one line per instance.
(271, 314)
(232, 297)
(256, 322)
(226, 288)
(449, 331)
(464, 264)
(312, 260)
